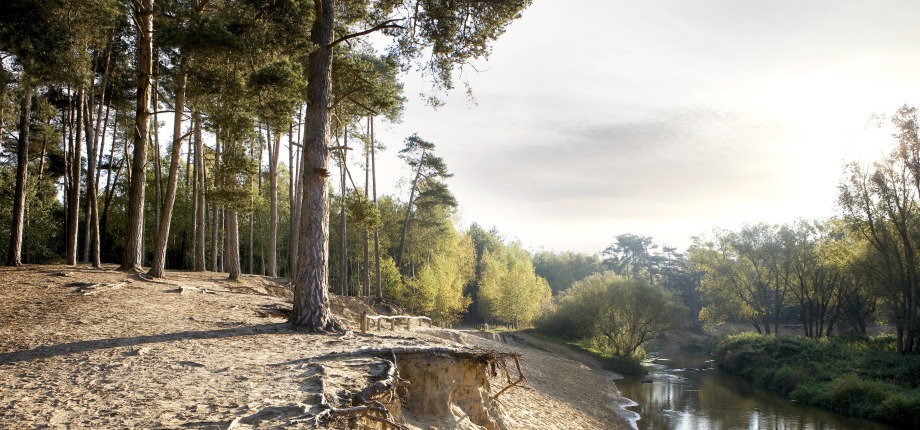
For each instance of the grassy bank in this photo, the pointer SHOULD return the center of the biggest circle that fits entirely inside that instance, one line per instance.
(862, 378)
(623, 366)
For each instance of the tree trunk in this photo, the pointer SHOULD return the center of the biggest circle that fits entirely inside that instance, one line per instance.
(90, 156)
(66, 144)
(367, 239)
(200, 203)
(311, 282)
(297, 177)
(252, 250)
(215, 232)
(103, 235)
(405, 229)
(91, 229)
(343, 239)
(98, 179)
(376, 230)
(157, 154)
(14, 256)
(134, 239)
(73, 202)
(215, 215)
(274, 149)
(232, 250)
(93, 150)
(159, 254)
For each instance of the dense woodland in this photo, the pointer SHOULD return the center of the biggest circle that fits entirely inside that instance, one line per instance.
(237, 136)
(205, 135)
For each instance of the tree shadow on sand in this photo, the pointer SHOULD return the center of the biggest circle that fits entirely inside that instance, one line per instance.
(49, 351)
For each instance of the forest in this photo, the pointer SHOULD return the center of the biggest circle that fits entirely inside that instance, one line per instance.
(230, 136)
(202, 135)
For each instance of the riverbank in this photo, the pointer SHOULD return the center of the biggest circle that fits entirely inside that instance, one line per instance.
(862, 378)
(85, 348)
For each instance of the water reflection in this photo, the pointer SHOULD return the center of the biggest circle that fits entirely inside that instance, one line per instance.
(684, 391)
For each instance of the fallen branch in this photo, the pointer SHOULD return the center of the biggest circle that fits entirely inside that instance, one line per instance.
(92, 289)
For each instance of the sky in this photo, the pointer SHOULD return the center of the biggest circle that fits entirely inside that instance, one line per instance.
(665, 118)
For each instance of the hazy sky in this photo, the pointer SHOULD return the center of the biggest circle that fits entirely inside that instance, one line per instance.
(666, 118)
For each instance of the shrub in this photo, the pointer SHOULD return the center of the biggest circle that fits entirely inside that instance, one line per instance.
(787, 378)
(854, 396)
(624, 365)
(810, 393)
(900, 407)
(861, 377)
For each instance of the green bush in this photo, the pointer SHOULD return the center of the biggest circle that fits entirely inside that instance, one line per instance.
(810, 393)
(854, 396)
(787, 378)
(624, 365)
(857, 377)
(901, 407)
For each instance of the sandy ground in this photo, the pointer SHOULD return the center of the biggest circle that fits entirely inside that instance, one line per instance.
(91, 348)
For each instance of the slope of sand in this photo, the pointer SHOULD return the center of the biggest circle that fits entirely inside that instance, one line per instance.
(85, 348)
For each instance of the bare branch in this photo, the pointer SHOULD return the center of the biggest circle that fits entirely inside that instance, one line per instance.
(386, 24)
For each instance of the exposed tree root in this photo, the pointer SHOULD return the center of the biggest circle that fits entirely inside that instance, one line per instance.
(362, 403)
(369, 403)
(521, 378)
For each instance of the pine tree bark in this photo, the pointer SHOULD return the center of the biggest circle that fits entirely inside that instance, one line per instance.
(343, 238)
(134, 239)
(90, 152)
(367, 239)
(311, 282)
(91, 252)
(405, 229)
(14, 256)
(215, 211)
(376, 230)
(91, 230)
(109, 190)
(157, 153)
(232, 250)
(159, 253)
(200, 201)
(73, 201)
(297, 199)
(274, 149)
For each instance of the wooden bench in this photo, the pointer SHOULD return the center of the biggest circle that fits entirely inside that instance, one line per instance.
(395, 320)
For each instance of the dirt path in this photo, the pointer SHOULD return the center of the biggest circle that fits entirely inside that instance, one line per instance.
(85, 348)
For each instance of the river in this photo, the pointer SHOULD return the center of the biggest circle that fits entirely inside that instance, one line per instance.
(684, 391)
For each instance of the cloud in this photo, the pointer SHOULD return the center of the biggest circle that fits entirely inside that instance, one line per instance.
(675, 158)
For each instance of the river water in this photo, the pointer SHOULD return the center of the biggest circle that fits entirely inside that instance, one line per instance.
(684, 391)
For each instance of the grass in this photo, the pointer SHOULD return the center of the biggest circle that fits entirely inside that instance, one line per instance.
(863, 378)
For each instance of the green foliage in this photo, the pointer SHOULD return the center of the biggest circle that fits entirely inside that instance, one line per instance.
(562, 269)
(391, 281)
(43, 233)
(367, 84)
(614, 314)
(279, 87)
(630, 256)
(509, 290)
(441, 35)
(863, 378)
(437, 289)
(362, 212)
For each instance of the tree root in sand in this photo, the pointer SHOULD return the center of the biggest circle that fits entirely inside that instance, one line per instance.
(362, 404)
(371, 402)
